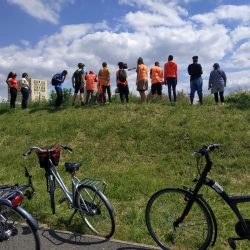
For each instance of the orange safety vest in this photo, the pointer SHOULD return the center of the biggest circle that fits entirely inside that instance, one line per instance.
(90, 82)
(156, 75)
(104, 76)
(142, 72)
(99, 86)
(170, 70)
(117, 79)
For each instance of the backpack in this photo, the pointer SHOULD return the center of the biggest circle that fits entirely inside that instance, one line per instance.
(54, 80)
(78, 77)
(122, 76)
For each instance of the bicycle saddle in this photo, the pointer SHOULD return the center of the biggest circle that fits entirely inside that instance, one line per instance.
(71, 167)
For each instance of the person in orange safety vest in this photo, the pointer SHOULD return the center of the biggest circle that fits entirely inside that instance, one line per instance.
(91, 87)
(156, 75)
(170, 77)
(142, 78)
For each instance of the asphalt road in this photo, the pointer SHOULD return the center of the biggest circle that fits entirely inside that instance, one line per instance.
(52, 239)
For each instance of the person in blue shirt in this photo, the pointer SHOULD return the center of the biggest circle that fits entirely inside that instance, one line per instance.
(59, 79)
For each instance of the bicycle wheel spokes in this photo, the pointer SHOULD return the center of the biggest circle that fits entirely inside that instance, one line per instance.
(164, 208)
(15, 232)
(96, 211)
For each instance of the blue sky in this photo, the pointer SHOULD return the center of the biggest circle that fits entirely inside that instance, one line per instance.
(43, 37)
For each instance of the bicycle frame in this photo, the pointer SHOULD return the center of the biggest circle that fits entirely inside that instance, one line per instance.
(75, 182)
(232, 201)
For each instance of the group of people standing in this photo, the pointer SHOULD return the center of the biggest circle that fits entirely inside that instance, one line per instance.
(95, 87)
(13, 86)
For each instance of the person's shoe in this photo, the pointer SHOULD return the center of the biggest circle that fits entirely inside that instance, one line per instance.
(222, 103)
(73, 104)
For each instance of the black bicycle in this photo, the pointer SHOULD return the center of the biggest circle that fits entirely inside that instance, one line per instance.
(86, 196)
(18, 229)
(180, 218)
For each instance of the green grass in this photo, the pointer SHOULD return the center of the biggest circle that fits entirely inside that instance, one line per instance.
(137, 149)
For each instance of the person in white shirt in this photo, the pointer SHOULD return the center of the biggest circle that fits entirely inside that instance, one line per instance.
(25, 90)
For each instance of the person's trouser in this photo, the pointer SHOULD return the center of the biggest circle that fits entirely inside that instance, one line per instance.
(156, 88)
(216, 96)
(196, 85)
(106, 89)
(25, 92)
(59, 97)
(13, 96)
(171, 82)
(124, 91)
(91, 94)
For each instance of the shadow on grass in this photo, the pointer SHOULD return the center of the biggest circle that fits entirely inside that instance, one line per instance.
(50, 109)
(3, 111)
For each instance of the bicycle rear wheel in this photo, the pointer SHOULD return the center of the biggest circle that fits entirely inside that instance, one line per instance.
(51, 190)
(164, 208)
(95, 210)
(18, 230)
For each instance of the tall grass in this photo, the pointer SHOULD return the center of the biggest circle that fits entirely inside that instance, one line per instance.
(136, 148)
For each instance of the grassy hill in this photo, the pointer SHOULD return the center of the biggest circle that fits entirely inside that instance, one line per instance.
(137, 149)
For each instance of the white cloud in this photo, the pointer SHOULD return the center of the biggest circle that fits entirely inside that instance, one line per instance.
(239, 13)
(240, 33)
(42, 9)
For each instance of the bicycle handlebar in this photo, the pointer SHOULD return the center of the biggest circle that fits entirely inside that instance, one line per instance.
(206, 150)
(36, 148)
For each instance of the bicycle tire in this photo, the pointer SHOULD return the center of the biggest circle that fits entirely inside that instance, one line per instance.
(51, 190)
(18, 229)
(165, 207)
(100, 217)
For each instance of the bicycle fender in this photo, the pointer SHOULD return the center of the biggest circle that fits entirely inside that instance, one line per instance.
(28, 217)
(97, 190)
(214, 221)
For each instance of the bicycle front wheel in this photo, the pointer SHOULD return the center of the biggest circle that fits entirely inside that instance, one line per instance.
(95, 210)
(17, 229)
(164, 208)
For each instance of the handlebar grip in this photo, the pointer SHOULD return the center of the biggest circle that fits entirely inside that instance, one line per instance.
(27, 154)
(67, 148)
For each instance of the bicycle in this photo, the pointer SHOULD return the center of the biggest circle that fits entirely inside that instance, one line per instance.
(86, 196)
(180, 218)
(18, 229)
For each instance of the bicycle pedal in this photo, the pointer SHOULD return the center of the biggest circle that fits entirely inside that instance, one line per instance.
(63, 199)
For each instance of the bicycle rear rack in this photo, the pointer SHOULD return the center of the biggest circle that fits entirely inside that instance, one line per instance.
(99, 184)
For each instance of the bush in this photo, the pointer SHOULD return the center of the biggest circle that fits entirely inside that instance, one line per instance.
(239, 100)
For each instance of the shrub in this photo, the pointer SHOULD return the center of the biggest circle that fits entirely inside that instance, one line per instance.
(239, 100)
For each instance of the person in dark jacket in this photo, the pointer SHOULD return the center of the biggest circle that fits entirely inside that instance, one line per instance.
(196, 82)
(217, 82)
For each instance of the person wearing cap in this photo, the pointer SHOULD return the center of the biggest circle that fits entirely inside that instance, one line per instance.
(104, 79)
(142, 78)
(91, 87)
(170, 77)
(59, 78)
(195, 71)
(78, 81)
(13, 86)
(217, 81)
(156, 75)
(122, 81)
(25, 90)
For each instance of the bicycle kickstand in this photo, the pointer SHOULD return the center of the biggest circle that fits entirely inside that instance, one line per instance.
(72, 216)
(231, 241)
